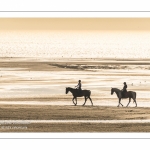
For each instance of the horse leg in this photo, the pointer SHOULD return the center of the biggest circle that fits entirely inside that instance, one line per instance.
(85, 100)
(120, 102)
(73, 100)
(129, 102)
(135, 102)
(90, 100)
(76, 101)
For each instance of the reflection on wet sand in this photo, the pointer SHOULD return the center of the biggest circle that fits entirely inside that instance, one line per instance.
(30, 80)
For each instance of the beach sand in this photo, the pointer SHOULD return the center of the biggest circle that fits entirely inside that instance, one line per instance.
(34, 89)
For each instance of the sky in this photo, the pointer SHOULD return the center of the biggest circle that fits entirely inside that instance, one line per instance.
(98, 24)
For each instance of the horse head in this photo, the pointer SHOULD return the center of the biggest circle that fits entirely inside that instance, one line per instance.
(112, 91)
(67, 90)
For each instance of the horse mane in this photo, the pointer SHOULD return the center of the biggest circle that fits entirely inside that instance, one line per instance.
(69, 87)
(116, 89)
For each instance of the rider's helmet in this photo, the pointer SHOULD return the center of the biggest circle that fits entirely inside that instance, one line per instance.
(124, 83)
(79, 80)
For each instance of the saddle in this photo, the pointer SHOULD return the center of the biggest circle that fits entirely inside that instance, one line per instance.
(79, 91)
(124, 94)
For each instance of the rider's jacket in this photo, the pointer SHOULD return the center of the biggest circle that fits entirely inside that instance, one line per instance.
(79, 86)
(124, 88)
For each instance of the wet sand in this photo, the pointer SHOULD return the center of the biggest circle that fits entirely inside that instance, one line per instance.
(29, 118)
(34, 89)
(26, 112)
(60, 101)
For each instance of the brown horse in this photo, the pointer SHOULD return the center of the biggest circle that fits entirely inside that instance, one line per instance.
(75, 93)
(129, 94)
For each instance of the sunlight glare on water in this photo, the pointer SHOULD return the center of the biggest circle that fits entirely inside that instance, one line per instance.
(75, 44)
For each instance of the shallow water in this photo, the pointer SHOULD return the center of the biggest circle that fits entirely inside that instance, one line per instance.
(46, 83)
(75, 44)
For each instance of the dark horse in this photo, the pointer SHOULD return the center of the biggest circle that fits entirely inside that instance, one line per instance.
(75, 93)
(129, 94)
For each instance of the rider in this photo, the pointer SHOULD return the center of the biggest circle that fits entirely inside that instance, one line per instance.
(79, 86)
(124, 90)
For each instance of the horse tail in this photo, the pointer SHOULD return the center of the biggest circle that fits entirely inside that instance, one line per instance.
(135, 97)
(89, 92)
